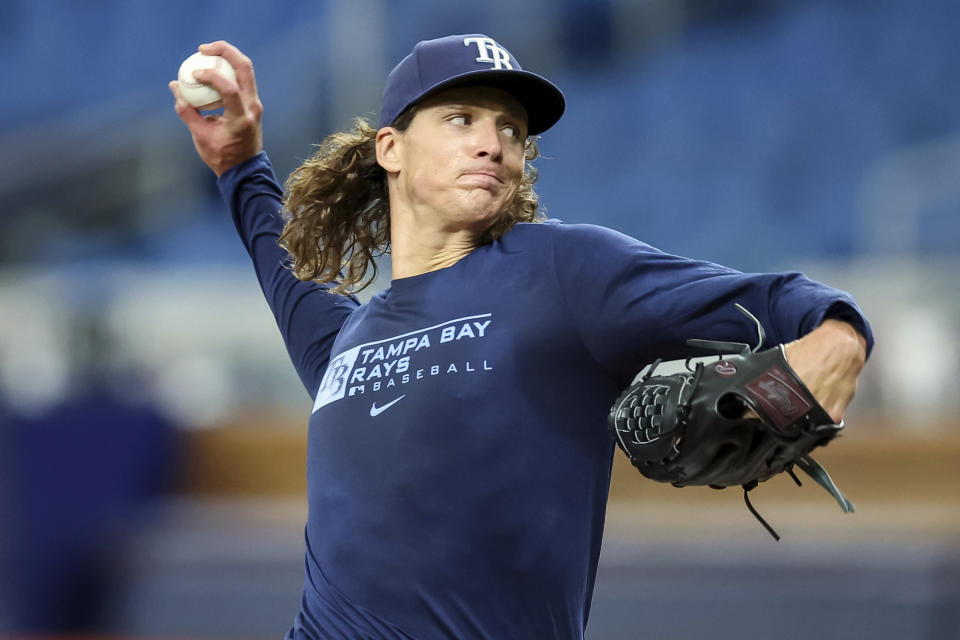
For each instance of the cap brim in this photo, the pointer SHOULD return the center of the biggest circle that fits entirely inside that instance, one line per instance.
(542, 99)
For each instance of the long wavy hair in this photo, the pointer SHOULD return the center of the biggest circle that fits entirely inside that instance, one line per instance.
(337, 210)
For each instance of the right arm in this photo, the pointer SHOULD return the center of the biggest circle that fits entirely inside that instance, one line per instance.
(308, 315)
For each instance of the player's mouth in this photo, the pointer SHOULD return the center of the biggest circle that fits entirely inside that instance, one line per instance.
(483, 178)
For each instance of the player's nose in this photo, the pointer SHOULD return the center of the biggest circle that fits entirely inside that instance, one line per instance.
(486, 140)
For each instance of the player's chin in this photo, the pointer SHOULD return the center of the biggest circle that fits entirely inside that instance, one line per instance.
(483, 195)
(483, 203)
(477, 221)
(495, 196)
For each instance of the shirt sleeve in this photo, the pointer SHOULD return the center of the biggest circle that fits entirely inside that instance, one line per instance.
(632, 303)
(308, 315)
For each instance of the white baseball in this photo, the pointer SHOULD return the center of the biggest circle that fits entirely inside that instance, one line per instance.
(198, 94)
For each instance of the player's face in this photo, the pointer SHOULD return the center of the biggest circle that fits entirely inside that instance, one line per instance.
(462, 157)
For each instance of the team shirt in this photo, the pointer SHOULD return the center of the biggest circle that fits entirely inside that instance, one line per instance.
(458, 459)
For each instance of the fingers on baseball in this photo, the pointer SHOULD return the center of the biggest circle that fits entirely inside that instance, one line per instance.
(228, 90)
(189, 114)
(240, 62)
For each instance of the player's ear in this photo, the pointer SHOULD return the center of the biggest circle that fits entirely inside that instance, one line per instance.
(388, 142)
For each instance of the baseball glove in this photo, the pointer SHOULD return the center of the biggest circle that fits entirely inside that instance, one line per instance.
(735, 422)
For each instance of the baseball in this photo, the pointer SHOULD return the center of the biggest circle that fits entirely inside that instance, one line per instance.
(198, 94)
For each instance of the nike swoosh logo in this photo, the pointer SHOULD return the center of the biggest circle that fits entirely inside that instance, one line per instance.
(375, 410)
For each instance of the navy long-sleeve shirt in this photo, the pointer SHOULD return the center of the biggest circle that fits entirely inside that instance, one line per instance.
(458, 461)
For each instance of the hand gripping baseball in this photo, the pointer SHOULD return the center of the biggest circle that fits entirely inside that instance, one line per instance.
(737, 421)
(226, 140)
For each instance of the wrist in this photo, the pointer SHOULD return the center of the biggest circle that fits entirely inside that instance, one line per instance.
(846, 336)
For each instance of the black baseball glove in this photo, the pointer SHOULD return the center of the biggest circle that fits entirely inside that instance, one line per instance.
(690, 428)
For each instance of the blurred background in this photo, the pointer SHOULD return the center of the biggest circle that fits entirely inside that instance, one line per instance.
(152, 432)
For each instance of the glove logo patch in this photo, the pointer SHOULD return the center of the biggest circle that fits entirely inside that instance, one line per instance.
(779, 396)
(725, 368)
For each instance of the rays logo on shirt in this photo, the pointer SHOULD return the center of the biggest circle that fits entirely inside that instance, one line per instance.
(334, 384)
(387, 362)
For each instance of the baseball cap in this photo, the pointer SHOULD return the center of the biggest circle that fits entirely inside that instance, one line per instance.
(466, 60)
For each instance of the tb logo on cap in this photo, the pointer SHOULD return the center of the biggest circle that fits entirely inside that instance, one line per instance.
(490, 51)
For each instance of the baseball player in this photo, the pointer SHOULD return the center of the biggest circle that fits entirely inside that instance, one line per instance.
(458, 459)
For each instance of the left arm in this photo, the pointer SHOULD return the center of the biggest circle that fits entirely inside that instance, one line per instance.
(829, 360)
(633, 303)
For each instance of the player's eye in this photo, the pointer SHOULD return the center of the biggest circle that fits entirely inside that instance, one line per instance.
(512, 131)
(460, 119)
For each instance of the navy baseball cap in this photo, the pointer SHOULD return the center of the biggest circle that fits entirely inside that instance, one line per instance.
(468, 60)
